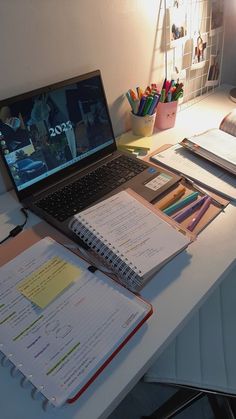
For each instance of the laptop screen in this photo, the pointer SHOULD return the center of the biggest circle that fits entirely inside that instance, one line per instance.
(50, 129)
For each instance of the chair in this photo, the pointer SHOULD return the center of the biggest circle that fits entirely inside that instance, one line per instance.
(201, 360)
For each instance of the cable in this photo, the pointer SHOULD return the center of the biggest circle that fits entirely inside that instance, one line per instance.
(16, 230)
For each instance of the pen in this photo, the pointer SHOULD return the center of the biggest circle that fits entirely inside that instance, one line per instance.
(170, 199)
(182, 203)
(189, 209)
(199, 214)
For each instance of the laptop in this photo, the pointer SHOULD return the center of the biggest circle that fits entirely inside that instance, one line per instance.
(59, 149)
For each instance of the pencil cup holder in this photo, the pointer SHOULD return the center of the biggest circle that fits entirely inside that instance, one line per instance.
(142, 125)
(166, 114)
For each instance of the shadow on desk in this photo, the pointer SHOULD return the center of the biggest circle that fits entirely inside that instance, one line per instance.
(167, 275)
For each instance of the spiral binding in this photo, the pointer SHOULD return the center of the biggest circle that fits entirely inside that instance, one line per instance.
(128, 273)
(36, 393)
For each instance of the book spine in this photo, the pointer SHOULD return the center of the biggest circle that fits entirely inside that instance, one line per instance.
(127, 273)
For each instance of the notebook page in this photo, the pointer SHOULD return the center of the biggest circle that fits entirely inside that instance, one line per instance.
(134, 231)
(61, 347)
(205, 173)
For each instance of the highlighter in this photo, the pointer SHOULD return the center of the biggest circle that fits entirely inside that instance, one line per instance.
(171, 198)
(181, 204)
(147, 105)
(182, 215)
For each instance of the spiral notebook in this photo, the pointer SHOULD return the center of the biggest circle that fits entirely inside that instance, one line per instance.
(130, 236)
(60, 324)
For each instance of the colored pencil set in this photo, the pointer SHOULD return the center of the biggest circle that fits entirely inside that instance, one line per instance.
(144, 102)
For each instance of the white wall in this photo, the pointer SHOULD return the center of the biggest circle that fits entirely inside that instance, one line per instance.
(229, 57)
(44, 41)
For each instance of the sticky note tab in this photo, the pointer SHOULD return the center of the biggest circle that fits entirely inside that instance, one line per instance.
(48, 281)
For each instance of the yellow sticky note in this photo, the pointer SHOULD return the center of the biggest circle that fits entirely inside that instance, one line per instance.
(48, 281)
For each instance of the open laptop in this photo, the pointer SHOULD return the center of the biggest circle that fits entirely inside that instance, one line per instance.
(59, 149)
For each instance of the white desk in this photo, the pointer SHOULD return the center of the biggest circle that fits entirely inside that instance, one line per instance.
(174, 292)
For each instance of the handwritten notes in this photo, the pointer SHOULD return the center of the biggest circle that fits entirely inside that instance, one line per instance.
(48, 281)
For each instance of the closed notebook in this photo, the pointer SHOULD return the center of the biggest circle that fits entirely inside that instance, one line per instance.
(60, 324)
(130, 236)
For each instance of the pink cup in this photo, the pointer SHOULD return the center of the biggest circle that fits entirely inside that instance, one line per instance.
(166, 114)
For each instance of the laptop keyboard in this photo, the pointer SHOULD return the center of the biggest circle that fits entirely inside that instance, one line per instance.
(76, 196)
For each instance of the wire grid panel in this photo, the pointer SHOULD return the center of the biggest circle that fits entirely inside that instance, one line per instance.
(191, 41)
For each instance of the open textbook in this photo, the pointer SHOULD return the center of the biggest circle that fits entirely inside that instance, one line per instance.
(202, 171)
(60, 324)
(217, 145)
(130, 236)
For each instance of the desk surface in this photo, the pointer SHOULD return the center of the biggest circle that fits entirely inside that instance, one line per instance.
(175, 292)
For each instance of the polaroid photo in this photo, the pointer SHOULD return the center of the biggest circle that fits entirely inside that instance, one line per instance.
(217, 16)
(199, 51)
(213, 71)
(178, 23)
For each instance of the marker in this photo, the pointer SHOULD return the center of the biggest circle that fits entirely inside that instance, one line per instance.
(132, 94)
(178, 90)
(181, 204)
(179, 95)
(131, 102)
(167, 86)
(170, 199)
(148, 90)
(190, 209)
(163, 95)
(169, 96)
(147, 105)
(139, 92)
(136, 103)
(164, 84)
(154, 104)
(141, 105)
(199, 214)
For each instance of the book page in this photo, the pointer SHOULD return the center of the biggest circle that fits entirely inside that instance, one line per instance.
(62, 346)
(203, 172)
(142, 239)
(228, 123)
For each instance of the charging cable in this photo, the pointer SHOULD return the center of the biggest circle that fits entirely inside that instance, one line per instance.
(16, 230)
